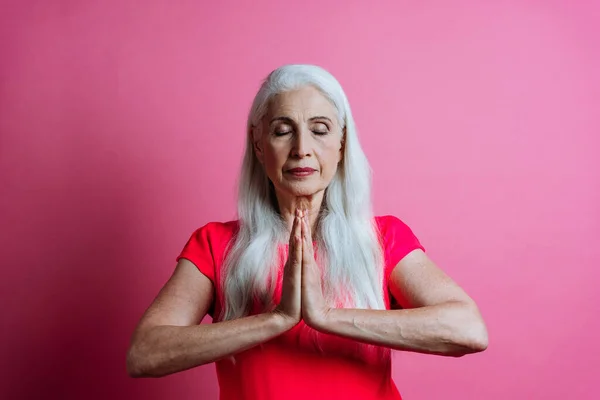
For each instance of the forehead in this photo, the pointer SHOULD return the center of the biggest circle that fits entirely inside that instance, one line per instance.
(301, 103)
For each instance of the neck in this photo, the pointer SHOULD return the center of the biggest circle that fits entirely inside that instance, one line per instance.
(310, 203)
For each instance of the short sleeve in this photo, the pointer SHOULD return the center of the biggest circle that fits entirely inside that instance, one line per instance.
(199, 251)
(399, 240)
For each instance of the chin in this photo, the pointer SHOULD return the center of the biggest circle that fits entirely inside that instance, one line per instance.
(303, 191)
(298, 193)
(299, 188)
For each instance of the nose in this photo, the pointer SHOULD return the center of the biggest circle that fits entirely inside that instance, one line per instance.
(301, 145)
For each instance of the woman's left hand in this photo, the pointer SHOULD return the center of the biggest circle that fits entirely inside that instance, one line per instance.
(314, 307)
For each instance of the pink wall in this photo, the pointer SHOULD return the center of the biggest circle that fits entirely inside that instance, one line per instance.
(121, 131)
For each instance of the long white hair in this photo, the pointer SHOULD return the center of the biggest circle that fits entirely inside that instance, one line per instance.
(347, 237)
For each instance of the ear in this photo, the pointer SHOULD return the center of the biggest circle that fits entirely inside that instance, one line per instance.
(256, 144)
(343, 144)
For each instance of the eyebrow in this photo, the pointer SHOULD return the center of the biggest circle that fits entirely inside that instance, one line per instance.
(291, 121)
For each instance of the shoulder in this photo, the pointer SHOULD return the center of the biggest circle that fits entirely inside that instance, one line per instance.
(397, 238)
(211, 238)
(391, 225)
(217, 228)
(207, 244)
(217, 231)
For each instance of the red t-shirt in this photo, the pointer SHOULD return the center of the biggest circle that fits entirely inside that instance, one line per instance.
(289, 366)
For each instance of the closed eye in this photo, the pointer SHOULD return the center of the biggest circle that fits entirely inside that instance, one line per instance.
(283, 133)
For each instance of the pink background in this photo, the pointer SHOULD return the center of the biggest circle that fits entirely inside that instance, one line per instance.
(121, 131)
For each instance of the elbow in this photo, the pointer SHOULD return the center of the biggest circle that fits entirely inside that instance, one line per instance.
(483, 340)
(138, 364)
(142, 360)
(133, 364)
(478, 339)
(473, 334)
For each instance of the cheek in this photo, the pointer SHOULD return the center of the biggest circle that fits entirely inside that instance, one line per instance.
(330, 155)
(275, 156)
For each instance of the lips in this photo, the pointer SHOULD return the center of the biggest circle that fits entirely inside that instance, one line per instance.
(300, 170)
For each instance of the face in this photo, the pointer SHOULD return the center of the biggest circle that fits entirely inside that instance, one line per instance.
(300, 130)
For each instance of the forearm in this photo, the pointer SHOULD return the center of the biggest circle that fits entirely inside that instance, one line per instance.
(452, 328)
(163, 350)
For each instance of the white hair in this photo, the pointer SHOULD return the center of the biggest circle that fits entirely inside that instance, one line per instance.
(346, 233)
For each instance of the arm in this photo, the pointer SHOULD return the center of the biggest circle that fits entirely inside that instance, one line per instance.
(168, 338)
(439, 317)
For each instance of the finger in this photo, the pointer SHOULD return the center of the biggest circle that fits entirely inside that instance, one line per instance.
(306, 242)
(297, 250)
(295, 239)
(293, 232)
(307, 222)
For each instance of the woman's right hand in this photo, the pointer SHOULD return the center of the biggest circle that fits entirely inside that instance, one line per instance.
(290, 305)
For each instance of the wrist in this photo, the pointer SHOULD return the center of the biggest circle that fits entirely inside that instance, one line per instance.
(282, 321)
(319, 321)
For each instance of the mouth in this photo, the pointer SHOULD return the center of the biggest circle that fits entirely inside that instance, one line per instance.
(301, 171)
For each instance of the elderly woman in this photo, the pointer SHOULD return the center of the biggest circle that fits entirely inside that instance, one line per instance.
(308, 291)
